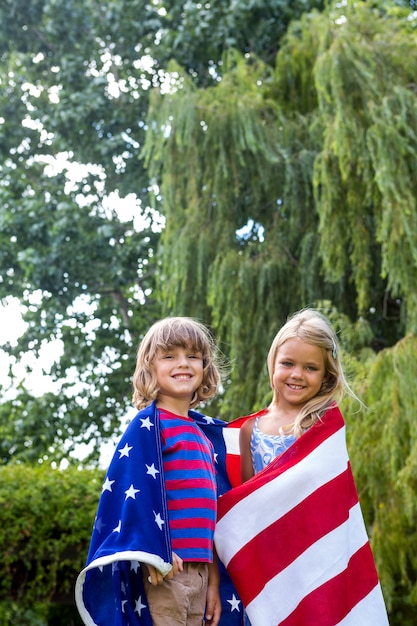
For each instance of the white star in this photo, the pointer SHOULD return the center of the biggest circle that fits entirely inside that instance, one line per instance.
(159, 520)
(118, 527)
(234, 603)
(123, 605)
(131, 492)
(125, 451)
(139, 606)
(146, 423)
(135, 566)
(152, 470)
(216, 457)
(208, 419)
(107, 485)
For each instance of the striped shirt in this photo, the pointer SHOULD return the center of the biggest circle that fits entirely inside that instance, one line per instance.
(190, 483)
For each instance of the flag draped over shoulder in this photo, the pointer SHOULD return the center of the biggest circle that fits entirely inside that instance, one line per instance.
(131, 527)
(294, 541)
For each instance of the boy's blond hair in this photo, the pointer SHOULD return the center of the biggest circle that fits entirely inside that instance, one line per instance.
(184, 332)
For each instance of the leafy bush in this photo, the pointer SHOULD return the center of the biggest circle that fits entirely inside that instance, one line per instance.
(46, 518)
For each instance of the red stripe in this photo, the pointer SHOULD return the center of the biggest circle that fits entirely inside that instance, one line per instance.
(331, 602)
(189, 464)
(321, 512)
(195, 543)
(198, 483)
(233, 469)
(233, 460)
(192, 503)
(182, 430)
(192, 523)
(331, 422)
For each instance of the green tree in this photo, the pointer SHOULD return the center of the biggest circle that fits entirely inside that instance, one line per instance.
(80, 274)
(383, 446)
(283, 184)
(76, 79)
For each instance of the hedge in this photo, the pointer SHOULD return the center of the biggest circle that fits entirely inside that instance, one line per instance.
(46, 518)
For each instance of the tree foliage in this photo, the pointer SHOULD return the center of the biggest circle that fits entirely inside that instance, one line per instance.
(79, 275)
(283, 186)
(384, 455)
(76, 80)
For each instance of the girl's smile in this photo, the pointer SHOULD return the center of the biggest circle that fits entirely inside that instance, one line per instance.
(298, 373)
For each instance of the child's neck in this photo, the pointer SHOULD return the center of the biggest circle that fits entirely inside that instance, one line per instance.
(173, 405)
(283, 415)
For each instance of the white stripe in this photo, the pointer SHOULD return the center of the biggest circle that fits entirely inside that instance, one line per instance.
(132, 555)
(322, 561)
(371, 610)
(324, 463)
(231, 439)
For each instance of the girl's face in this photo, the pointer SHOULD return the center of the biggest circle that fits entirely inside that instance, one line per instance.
(299, 372)
(179, 372)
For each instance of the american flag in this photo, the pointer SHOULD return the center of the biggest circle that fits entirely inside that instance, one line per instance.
(131, 527)
(294, 541)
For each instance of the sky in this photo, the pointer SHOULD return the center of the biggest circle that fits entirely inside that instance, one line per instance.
(12, 327)
(11, 323)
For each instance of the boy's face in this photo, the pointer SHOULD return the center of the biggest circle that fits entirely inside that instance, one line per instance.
(179, 372)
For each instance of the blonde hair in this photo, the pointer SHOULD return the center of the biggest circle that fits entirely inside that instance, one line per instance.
(165, 334)
(312, 327)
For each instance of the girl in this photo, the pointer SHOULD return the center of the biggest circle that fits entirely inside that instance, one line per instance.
(306, 378)
(292, 535)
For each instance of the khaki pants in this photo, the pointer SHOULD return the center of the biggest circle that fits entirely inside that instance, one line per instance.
(180, 601)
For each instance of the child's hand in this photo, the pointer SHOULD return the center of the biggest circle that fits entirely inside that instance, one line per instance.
(213, 602)
(155, 577)
(176, 566)
(213, 606)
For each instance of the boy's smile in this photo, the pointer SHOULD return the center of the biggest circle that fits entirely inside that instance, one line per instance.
(182, 376)
(179, 372)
